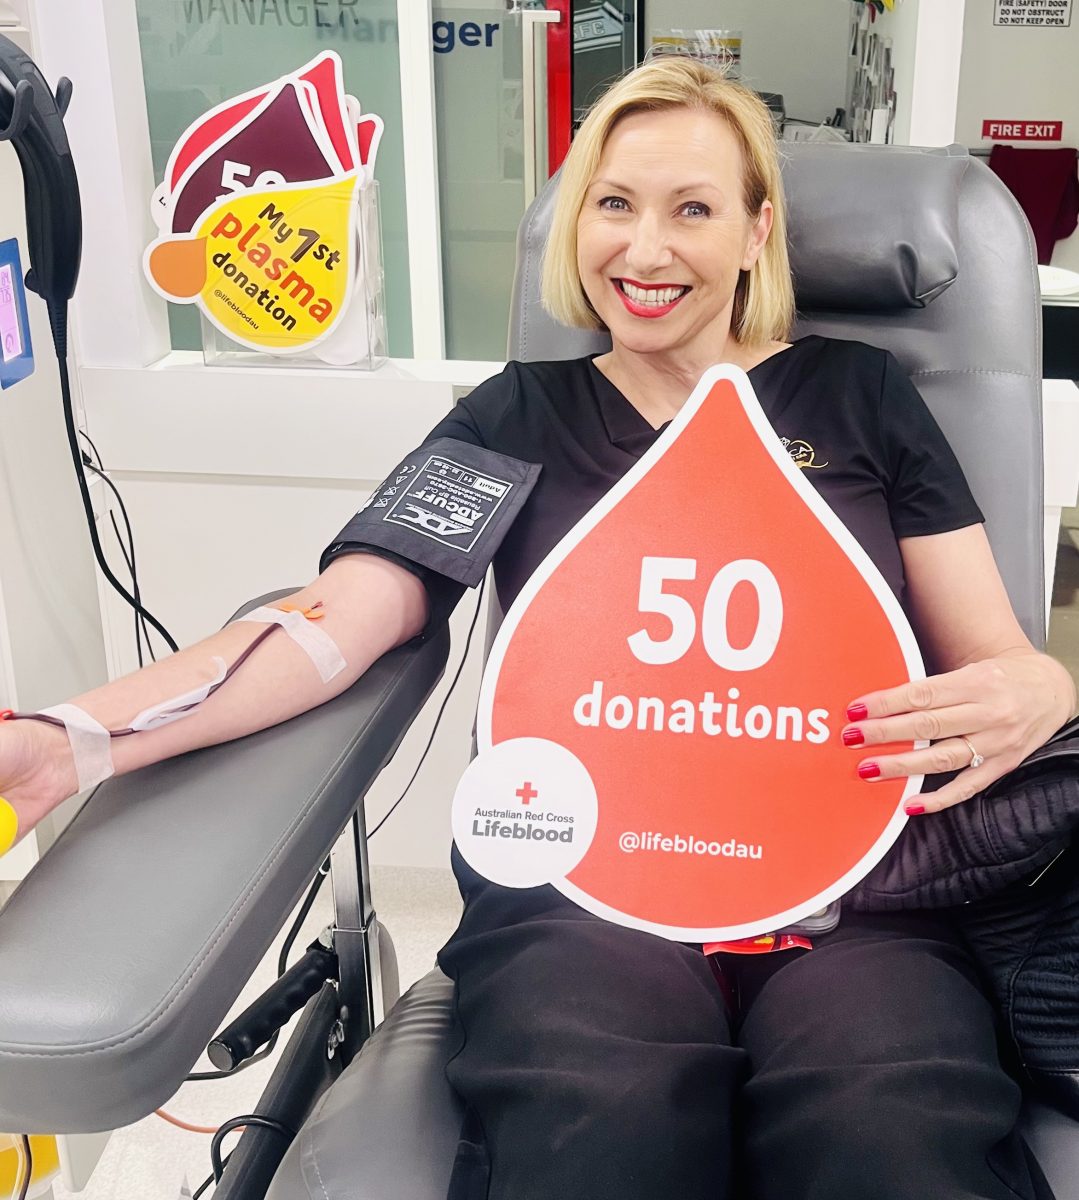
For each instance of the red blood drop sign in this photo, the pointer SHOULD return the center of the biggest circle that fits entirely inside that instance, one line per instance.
(660, 718)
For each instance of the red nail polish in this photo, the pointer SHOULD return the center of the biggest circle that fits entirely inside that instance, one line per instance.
(914, 810)
(853, 737)
(857, 712)
(869, 770)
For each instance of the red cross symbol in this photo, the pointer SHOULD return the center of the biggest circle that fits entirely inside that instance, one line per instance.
(527, 792)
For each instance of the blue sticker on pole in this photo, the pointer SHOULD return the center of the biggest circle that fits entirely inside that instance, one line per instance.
(16, 352)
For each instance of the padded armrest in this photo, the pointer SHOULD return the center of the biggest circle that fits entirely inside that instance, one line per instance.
(125, 947)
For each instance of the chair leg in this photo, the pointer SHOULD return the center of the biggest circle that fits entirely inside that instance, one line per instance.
(356, 939)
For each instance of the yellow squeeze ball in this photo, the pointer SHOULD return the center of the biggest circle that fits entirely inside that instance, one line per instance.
(9, 826)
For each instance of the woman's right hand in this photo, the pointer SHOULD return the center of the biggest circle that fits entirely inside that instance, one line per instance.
(37, 772)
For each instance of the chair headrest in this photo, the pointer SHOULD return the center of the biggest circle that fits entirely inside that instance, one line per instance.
(902, 249)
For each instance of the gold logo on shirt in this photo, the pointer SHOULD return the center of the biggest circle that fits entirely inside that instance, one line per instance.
(802, 453)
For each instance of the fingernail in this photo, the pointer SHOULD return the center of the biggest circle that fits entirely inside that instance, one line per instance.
(9, 826)
(914, 810)
(853, 737)
(869, 770)
(857, 712)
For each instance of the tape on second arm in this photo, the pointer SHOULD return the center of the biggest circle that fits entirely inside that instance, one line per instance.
(319, 647)
(91, 746)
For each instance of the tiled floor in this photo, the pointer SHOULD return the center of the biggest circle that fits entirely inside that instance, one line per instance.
(151, 1160)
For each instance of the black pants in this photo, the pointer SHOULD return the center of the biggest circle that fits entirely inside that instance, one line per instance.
(600, 1062)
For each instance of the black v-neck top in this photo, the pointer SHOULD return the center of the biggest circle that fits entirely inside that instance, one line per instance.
(849, 416)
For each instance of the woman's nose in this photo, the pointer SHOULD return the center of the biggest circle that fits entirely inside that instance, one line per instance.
(649, 249)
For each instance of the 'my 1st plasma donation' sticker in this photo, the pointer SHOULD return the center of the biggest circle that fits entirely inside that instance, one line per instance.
(273, 276)
(691, 645)
(271, 267)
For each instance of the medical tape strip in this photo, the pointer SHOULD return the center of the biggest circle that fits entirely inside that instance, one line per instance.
(447, 507)
(91, 745)
(319, 647)
(178, 707)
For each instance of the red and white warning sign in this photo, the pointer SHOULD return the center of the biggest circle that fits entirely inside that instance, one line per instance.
(660, 718)
(1023, 131)
(1033, 14)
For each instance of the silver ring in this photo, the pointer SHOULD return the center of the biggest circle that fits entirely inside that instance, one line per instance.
(976, 759)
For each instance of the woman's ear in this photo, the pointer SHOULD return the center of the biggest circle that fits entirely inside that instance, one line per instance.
(758, 235)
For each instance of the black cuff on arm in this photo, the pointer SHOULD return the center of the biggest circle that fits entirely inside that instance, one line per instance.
(442, 514)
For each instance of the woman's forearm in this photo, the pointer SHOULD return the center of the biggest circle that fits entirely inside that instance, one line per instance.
(369, 606)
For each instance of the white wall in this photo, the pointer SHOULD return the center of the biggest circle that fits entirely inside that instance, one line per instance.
(1025, 74)
(798, 49)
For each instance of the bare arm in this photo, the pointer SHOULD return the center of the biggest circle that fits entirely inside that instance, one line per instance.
(995, 689)
(371, 605)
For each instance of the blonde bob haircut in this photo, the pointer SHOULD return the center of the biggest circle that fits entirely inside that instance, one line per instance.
(764, 298)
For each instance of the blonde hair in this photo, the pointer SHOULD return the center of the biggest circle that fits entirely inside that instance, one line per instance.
(764, 298)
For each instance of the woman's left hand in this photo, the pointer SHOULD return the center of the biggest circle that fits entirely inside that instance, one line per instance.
(982, 720)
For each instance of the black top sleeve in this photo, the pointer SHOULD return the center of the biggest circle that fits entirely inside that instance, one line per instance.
(363, 536)
(927, 490)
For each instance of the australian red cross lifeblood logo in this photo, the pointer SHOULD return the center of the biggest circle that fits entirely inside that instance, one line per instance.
(660, 716)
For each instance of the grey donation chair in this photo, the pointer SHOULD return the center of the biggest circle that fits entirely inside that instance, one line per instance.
(124, 949)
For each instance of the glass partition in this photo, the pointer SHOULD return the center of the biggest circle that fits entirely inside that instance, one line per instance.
(197, 53)
(478, 57)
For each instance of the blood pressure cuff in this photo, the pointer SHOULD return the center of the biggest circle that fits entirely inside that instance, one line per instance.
(441, 514)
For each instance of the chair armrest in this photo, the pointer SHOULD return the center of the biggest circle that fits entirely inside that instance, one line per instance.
(124, 948)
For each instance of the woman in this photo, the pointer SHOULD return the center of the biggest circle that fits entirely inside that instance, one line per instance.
(600, 1061)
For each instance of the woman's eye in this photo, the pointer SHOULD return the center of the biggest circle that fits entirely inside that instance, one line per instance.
(613, 204)
(695, 209)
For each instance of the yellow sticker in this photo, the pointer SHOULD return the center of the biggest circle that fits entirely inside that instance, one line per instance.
(9, 826)
(272, 268)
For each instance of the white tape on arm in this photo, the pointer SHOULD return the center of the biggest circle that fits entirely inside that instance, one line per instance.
(319, 647)
(91, 746)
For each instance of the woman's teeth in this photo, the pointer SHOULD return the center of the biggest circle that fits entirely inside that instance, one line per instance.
(656, 296)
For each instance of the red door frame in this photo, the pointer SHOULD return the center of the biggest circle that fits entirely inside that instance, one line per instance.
(559, 84)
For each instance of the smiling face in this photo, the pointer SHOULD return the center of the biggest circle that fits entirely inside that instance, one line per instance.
(663, 233)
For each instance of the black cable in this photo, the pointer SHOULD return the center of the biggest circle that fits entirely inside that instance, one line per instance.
(301, 916)
(209, 1179)
(129, 559)
(249, 1121)
(140, 621)
(282, 967)
(97, 453)
(446, 700)
(140, 625)
(28, 1166)
(58, 318)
